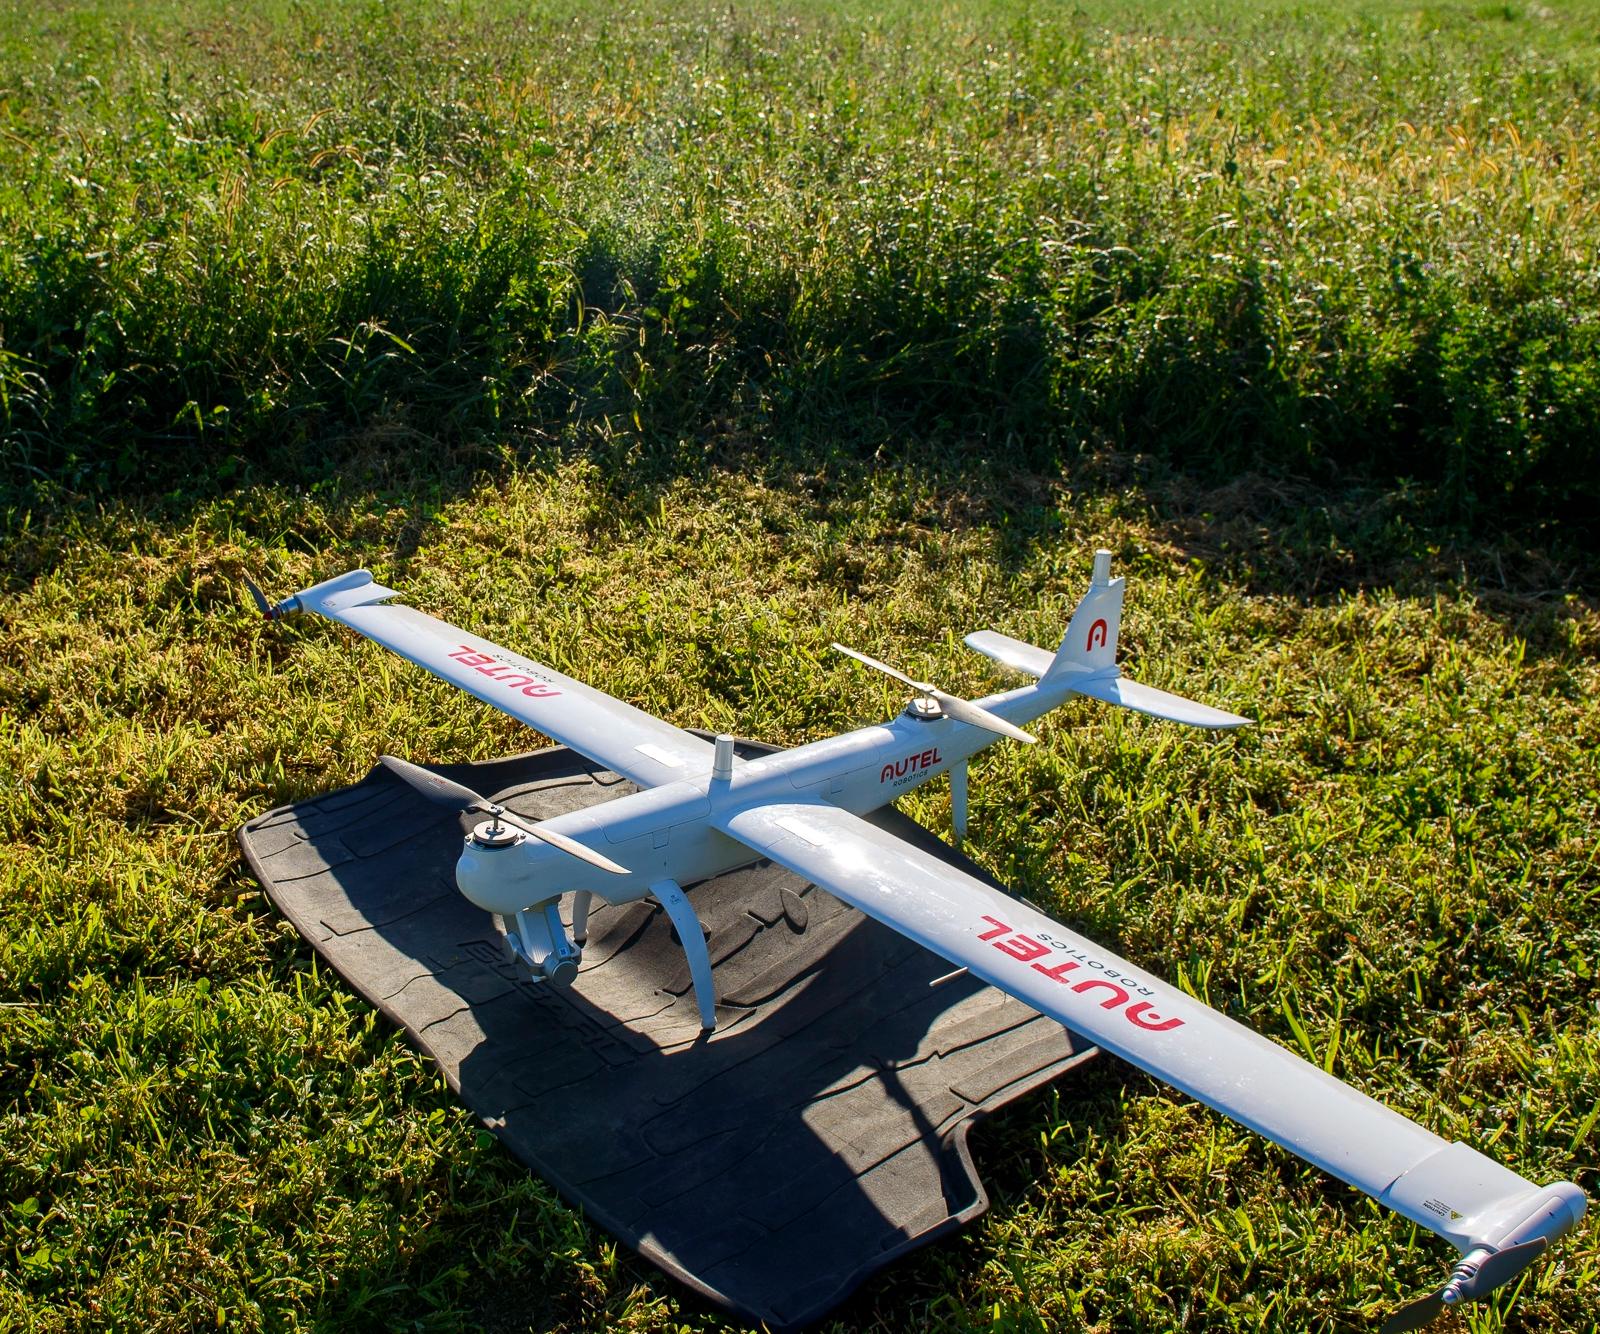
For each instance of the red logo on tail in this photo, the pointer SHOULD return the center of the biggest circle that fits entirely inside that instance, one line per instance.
(1097, 631)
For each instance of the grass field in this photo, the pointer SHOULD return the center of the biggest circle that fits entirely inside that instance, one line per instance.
(668, 345)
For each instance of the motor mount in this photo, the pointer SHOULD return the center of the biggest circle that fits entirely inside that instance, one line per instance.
(535, 937)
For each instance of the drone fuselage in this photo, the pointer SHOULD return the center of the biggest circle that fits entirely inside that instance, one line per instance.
(665, 833)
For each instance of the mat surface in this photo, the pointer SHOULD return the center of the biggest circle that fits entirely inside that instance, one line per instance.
(818, 1134)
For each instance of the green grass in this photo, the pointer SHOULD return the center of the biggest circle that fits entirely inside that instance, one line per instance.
(1321, 239)
(667, 348)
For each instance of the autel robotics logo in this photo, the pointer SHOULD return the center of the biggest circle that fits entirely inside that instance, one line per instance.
(1097, 634)
(531, 686)
(1025, 949)
(911, 765)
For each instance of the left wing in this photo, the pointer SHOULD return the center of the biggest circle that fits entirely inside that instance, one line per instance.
(626, 740)
(1448, 1188)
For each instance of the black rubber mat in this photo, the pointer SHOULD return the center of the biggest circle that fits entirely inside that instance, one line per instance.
(816, 1135)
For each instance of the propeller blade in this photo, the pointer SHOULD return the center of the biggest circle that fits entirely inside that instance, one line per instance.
(1501, 1267)
(571, 846)
(260, 599)
(443, 791)
(1471, 1279)
(884, 667)
(965, 711)
(435, 787)
(953, 705)
(1414, 1315)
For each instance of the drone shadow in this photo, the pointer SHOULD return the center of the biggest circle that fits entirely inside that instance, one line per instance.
(773, 1165)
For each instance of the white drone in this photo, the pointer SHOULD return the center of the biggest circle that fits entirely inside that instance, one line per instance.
(704, 811)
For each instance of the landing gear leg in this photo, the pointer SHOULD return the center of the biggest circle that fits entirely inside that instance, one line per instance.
(580, 916)
(670, 896)
(958, 801)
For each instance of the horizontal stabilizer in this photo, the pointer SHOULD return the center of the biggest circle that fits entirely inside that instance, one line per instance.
(1103, 685)
(1010, 652)
(1157, 703)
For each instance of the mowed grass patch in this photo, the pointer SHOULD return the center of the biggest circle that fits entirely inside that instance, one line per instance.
(1393, 874)
(667, 347)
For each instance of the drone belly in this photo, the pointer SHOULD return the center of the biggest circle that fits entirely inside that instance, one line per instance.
(698, 852)
(519, 873)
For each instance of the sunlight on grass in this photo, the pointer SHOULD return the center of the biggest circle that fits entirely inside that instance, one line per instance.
(668, 348)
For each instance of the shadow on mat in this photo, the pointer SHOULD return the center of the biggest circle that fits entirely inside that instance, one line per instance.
(819, 1133)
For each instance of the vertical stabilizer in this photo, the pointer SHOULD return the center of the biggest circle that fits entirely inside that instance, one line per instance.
(1090, 645)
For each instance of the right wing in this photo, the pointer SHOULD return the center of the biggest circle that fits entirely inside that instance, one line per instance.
(1448, 1188)
(626, 740)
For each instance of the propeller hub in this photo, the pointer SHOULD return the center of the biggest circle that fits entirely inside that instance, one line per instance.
(942, 703)
(495, 834)
(1461, 1276)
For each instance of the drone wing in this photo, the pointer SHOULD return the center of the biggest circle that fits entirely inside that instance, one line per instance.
(1448, 1188)
(617, 735)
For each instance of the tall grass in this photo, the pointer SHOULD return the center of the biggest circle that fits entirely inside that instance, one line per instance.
(1315, 240)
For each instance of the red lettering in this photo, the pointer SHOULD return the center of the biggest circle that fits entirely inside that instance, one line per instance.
(1026, 950)
(531, 686)
(1023, 948)
(925, 759)
(887, 774)
(1120, 998)
(1137, 1012)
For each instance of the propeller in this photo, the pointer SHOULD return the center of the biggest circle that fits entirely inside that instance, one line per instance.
(443, 791)
(963, 711)
(1478, 1273)
(267, 609)
(272, 611)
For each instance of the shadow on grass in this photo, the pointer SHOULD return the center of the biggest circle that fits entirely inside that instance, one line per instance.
(1269, 534)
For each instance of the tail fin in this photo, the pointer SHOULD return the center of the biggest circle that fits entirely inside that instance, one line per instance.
(1086, 662)
(1090, 644)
